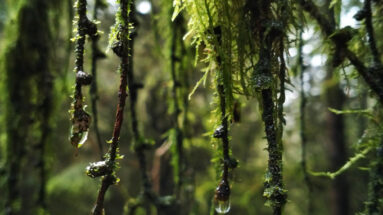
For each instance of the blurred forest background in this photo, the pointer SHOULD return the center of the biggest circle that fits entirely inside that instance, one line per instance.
(332, 112)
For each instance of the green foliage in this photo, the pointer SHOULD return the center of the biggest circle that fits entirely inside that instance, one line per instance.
(231, 43)
(229, 40)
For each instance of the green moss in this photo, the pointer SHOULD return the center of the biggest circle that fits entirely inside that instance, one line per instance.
(25, 65)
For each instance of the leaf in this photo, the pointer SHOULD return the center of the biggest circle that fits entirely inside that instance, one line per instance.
(120, 157)
(177, 4)
(84, 137)
(203, 79)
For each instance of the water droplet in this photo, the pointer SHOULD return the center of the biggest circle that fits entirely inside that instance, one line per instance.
(222, 207)
(83, 139)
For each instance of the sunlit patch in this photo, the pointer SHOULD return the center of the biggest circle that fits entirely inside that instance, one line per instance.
(144, 7)
(317, 60)
(308, 33)
(307, 49)
(348, 17)
(293, 52)
(113, 6)
(291, 97)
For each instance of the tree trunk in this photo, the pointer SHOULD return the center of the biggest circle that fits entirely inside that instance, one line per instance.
(336, 145)
(28, 86)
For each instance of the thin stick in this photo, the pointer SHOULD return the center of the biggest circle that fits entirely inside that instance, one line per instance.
(302, 108)
(110, 178)
(96, 54)
(370, 32)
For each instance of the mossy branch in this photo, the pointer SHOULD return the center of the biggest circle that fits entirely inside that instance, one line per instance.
(96, 55)
(372, 76)
(302, 110)
(222, 192)
(345, 167)
(123, 37)
(367, 10)
(140, 143)
(271, 46)
(79, 117)
(178, 166)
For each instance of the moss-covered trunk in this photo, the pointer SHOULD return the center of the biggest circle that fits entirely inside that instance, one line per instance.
(28, 86)
(270, 36)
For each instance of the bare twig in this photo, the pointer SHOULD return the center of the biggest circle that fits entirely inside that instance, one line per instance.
(96, 55)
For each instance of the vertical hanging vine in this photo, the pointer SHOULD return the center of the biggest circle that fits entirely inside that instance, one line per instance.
(178, 65)
(96, 55)
(223, 30)
(244, 42)
(302, 110)
(79, 117)
(120, 45)
(269, 19)
(222, 192)
(211, 25)
(366, 14)
(140, 143)
(177, 72)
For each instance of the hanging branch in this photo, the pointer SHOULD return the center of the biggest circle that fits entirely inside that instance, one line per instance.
(270, 33)
(222, 192)
(302, 108)
(107, 168)
(69, 44)
(366, 14)
(79, 117)
(374, 203)
(176, 87)
(140, 143)
(371, 75)
(96, 55)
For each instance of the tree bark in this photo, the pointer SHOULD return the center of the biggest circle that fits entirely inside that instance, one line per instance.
(336, 146)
